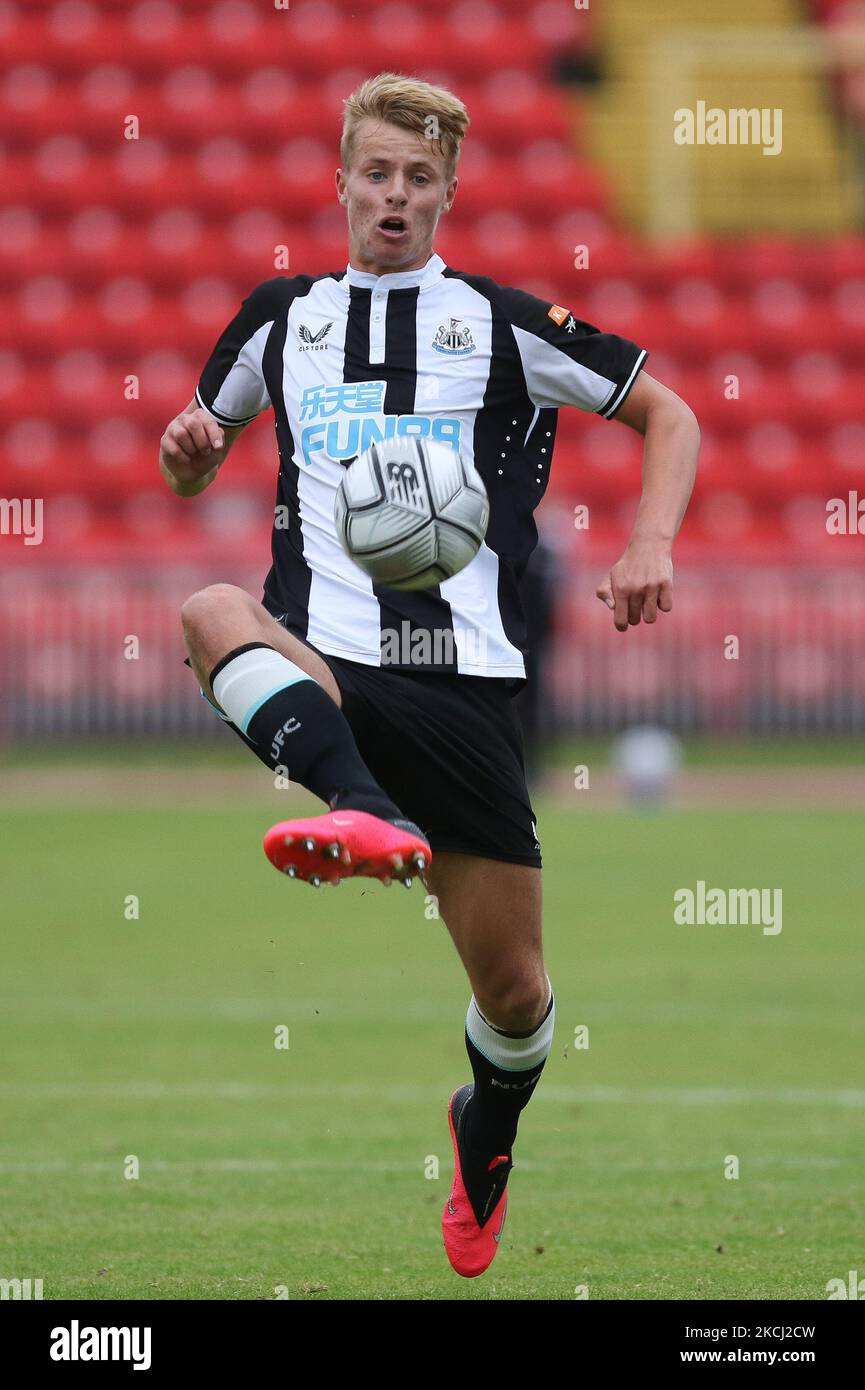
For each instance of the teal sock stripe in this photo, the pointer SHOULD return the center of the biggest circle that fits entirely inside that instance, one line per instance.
(283, 685)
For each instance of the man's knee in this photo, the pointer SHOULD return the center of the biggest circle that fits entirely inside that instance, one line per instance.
(515, 999)
(215, 620)
(211, 607)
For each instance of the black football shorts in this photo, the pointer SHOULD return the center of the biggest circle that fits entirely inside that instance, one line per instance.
(448, 749)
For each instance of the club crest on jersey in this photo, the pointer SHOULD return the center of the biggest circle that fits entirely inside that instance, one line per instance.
(453, 340)
(313, 342)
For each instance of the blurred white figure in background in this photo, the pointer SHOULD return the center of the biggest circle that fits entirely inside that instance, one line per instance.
(648, 762)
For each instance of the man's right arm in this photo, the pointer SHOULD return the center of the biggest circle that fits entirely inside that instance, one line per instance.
(193, 449)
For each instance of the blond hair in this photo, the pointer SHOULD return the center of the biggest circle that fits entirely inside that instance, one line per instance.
(412, 104)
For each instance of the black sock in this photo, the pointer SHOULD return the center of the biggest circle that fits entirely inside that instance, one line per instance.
(301, 729)
(501, 1094)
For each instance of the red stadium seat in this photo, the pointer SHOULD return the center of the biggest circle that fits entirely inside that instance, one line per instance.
(123, 258)
(185, 118)
(307, 44)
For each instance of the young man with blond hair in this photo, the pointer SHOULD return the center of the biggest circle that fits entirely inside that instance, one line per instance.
(421, 766)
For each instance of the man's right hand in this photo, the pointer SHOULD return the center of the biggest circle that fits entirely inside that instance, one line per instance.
(191, 451)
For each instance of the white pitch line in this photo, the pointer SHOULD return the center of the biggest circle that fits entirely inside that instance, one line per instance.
(416, 1166)
(292, 1089)
(289, 1009)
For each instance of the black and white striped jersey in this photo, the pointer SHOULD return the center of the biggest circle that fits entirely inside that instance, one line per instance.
(348, 359)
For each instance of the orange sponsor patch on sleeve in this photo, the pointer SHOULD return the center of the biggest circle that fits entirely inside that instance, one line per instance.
(559, 314)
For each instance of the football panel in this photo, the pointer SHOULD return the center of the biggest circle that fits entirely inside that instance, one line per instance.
(381, 528)
(340, 516)
(444, 473)
(400, 468)
(472, 477)
(469, 510)
(361, 486)
(403, 560)
(456, 547)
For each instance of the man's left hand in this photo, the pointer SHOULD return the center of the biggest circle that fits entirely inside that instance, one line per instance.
(640, 584)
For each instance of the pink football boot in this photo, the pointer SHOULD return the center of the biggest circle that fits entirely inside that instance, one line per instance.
(471, 1247)
(348, 844)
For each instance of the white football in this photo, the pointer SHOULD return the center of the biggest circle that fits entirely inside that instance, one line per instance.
(411, 512)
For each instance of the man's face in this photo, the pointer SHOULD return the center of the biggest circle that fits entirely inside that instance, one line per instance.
(394, 174)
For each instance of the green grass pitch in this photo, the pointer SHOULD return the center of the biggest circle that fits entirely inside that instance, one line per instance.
(302, 1172)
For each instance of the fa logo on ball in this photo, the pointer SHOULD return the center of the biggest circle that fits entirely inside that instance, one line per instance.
(404, 484)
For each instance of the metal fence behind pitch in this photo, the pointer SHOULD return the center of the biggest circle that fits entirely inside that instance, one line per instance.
(97, 654)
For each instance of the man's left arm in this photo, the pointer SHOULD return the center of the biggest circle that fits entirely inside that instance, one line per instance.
(641, 582)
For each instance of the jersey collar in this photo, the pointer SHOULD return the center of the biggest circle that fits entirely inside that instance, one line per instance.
(398, 280)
